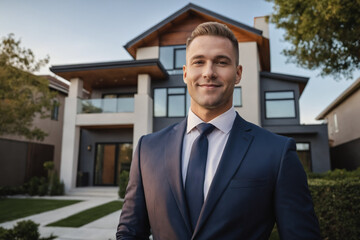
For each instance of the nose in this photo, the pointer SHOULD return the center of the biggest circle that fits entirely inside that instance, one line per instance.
(209, 71)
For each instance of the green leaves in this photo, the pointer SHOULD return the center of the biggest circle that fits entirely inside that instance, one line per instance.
(324, 34)
(23, 96)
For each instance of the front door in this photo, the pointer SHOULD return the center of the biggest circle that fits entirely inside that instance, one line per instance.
(110, 160)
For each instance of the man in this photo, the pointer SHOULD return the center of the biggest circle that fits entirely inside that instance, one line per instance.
(249, 179)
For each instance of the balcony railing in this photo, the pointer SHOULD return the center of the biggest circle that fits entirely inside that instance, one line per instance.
(109, 105)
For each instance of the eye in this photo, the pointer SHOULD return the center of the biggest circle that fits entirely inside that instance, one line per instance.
(198, 62)
(222, 62)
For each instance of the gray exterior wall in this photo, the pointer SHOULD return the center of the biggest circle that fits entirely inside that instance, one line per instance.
(346, 155)
(20, 161)
(173, 81)
(316, 135)
(12, 162)
(91, 137)
(268, 84)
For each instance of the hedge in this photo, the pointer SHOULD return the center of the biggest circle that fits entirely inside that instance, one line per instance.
(337, 206)
(336, 197)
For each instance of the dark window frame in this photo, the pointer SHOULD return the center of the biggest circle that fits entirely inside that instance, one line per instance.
(174, 57)
(117, 152)
(174, 48)
(55, 110)
(280, 99)
(167, 101)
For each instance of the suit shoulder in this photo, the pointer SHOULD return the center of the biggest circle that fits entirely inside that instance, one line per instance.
(160, 134)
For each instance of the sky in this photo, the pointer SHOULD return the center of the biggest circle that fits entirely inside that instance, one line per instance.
(85, 31)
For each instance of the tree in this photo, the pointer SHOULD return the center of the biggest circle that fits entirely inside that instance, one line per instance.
(324, 34)
(22, 94)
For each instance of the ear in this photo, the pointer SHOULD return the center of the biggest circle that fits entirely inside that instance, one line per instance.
(184, 74)
(238, 74)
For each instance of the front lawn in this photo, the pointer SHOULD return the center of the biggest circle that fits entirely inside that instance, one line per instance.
(14, 208)
(89, 215)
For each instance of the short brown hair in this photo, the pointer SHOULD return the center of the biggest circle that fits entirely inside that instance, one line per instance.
(215, 29)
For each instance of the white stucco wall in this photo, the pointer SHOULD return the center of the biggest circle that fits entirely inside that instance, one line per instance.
(250, 82)
(103, 119)
(143, 122)
(147, 53)
(71, 136)
(261, 24)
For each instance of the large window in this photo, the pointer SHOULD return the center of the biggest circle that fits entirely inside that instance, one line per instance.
(173, 58)
(280, 104)
(175, 101)
(118, 102)
(171, 102)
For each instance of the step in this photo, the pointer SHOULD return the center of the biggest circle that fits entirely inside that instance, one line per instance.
(94, 191)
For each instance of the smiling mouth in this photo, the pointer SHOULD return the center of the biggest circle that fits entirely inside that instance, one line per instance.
(209, 85)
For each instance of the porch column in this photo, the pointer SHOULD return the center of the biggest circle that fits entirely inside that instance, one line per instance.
(71, 136)
(143, 108)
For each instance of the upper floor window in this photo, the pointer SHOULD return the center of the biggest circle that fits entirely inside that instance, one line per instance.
(171, 102)
(280, 104)
(173, 57)
(237, 101)
(175, 101)
(55, 110)
(117, 102)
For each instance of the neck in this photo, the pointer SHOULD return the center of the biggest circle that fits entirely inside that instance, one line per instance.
(207, 115)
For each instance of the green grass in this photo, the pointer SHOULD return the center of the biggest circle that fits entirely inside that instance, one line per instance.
(89, 215)
(14, 208)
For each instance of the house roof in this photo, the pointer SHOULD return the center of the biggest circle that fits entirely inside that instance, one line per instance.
(302, 81)
(197, 15)
(340, 99)
(111, 74)
(56, 84)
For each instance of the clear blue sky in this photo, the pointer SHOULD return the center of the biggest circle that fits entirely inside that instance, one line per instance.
(82, 31)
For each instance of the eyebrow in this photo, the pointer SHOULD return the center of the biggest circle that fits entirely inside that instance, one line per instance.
(216, 57)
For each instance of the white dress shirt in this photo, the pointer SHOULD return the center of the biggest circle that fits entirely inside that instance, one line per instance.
(217, 140)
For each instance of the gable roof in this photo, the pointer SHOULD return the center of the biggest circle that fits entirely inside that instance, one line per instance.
(301, 81)
(340, 99)
(202, 15)
(111, 74)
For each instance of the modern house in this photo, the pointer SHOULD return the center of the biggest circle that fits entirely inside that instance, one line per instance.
(343, 118)
(21, 159)
(124, 100)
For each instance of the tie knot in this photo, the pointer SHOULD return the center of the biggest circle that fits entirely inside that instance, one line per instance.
(205, 128)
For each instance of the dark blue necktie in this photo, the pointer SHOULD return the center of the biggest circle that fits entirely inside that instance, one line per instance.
(194, 184)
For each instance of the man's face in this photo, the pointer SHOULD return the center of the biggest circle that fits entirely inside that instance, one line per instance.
(211, 73)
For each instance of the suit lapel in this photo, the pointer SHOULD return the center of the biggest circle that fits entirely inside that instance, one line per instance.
(236, 147)
(173, 155)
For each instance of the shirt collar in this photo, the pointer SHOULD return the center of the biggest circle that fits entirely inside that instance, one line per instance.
(222, 122)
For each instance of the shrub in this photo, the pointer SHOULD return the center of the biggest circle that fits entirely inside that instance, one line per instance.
(8, 190)
(337, 206)
(23, 230)
(336, 174)
(57, 187)
(32, 187)
(336, 197)
(123, 182)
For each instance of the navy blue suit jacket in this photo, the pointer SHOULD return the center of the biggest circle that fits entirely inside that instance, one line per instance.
(259, 181)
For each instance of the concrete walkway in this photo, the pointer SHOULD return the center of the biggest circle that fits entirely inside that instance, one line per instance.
(101, 229)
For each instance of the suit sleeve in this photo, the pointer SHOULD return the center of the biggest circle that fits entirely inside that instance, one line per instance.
(134, 223)
(295, 216)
